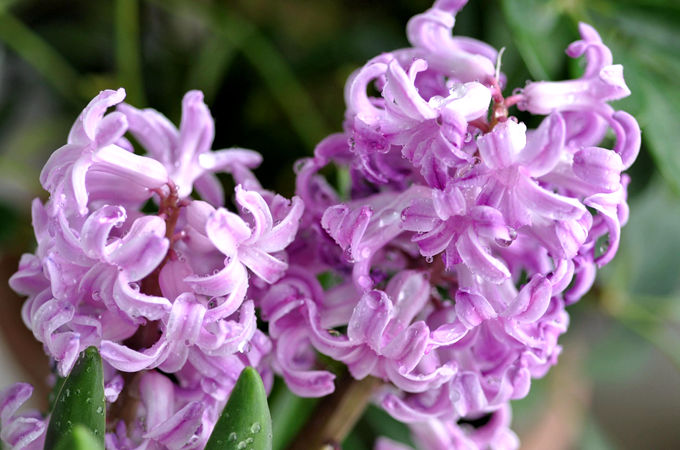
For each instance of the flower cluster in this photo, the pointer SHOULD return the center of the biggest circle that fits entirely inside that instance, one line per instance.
(442, 266)
(449, 258)
(130, 262)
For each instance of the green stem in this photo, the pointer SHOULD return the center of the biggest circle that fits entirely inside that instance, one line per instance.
(336, 414)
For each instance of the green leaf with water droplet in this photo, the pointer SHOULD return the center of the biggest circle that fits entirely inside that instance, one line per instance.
(80, 438)
(80, 401)
(245, 422)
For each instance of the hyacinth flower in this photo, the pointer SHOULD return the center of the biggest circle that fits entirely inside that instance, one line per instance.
(502, 227)
(157, 293)
(439, 276)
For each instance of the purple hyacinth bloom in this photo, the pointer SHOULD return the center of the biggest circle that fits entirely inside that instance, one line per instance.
(498, 222)
(166, 290)
(443, 269)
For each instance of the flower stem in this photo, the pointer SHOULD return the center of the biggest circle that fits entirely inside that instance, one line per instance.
(336, 415)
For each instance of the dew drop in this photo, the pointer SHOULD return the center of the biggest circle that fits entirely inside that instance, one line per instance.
(241, 445)
(299, 165)
(255, 428)
(504, 242)
(100, 410)
(232, 436)
(429, 259)
(67, 392)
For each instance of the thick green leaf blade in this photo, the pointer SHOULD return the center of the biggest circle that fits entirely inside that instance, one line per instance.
(80, 438)
(245, 422)
(80, 401)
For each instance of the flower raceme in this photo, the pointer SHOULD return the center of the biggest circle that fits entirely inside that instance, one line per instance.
(451, 255)
(166, 289)
(462, 235)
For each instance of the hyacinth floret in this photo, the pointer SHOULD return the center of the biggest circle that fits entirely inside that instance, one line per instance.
(443, 268)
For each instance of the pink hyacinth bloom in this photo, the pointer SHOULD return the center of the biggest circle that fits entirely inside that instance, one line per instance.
(438, 166)
(166, 290)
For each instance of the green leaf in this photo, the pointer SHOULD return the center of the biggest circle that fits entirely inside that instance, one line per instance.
(80, 401)
(80, 438)
(245, 421)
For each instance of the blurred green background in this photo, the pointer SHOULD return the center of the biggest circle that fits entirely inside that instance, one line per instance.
(273, 75)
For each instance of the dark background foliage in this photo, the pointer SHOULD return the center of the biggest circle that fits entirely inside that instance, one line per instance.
(273, 75)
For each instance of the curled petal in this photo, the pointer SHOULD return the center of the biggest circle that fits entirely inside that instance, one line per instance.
(226, 231)
(283, 233)
(501, 148)
(597, 54)
(140, 170)
(472, 309)
(431, 31)
(531, 302)
(136, 304)
(142, 249)
(407, 349)
(402, 96)
(157, 393)
(627, 137)
(222, 282)
(545, 146)
(152, 130)
(186, 319)
(253, 202)
(228, 159)
(479, 260)
(110, 129)
(414, 382)
(599, 167)
(369, 320)
(179, 429)
(548, 204)
(607, 205)
(127, 360)
(356, 98)
(94, 236)
(84, 130)
(262, 264)
(347, 226)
